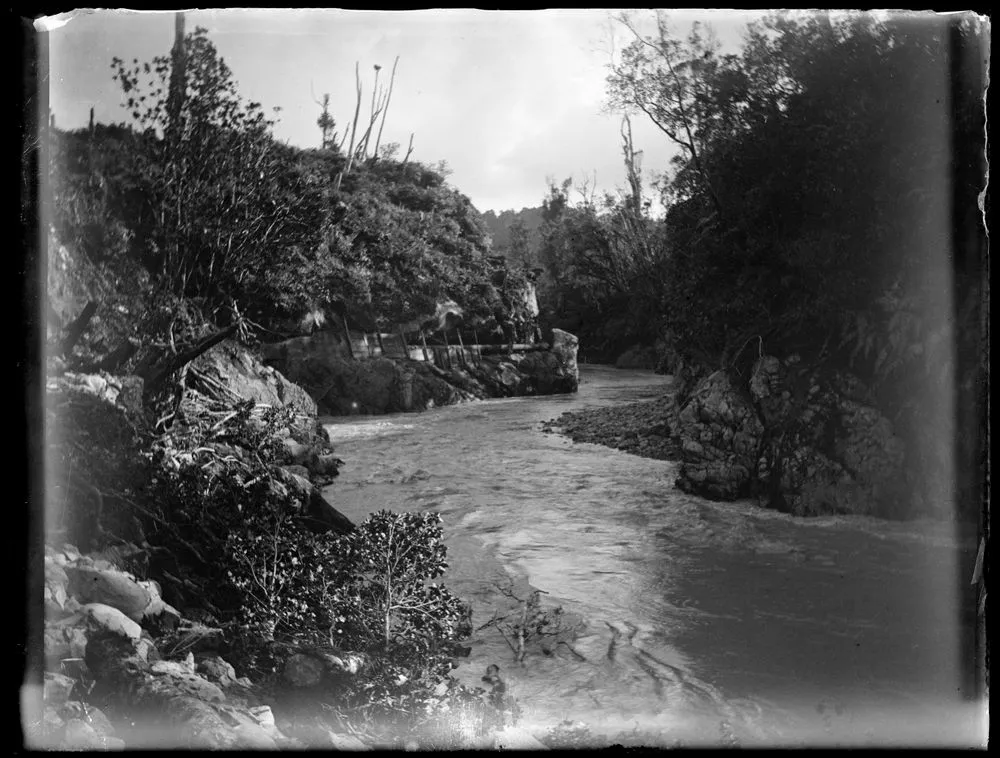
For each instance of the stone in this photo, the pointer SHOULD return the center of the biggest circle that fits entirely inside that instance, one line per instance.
(178, 678)
(294, 452)
(264, 716)
(216, 669)
(63, 643)
(108, 587)
(303, 670)
(57, 688)
(326, 465)
(112, 620)
(56, 582)
(342, 386)
(250, 379)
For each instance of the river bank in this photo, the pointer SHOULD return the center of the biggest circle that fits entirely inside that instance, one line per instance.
(800, 440)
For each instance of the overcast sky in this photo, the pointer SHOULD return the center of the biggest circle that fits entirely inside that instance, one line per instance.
(507, 98)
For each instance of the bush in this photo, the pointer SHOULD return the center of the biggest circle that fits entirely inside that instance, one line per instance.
(386, 598)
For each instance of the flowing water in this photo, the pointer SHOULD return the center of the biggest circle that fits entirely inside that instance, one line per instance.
(698, 622)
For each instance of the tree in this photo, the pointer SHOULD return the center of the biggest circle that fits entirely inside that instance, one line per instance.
(670, 81)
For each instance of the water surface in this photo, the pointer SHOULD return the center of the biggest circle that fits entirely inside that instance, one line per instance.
(702, 622)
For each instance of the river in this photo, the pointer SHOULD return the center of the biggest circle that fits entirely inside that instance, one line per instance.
(700, 623)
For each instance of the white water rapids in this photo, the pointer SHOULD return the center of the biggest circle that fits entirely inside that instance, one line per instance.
(704, 622)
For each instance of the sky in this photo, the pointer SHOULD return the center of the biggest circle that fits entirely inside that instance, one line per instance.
(508, 99)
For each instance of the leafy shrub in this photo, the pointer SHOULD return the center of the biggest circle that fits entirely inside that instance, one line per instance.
(387, 597)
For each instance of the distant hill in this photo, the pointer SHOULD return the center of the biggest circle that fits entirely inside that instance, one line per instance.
(499, 226)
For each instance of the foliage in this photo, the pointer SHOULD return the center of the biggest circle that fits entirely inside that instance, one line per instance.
(222, 196)
(807, 206)
(603, 278)
(282, 572)
(387, 598)
(809, 178)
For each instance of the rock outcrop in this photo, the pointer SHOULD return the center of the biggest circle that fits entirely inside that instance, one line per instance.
(720, 437)
(232, 366)
(342, 386)
(809, 441)
(827, 448)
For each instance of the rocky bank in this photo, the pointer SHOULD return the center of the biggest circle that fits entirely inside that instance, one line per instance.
(801, 439)
(341, 385)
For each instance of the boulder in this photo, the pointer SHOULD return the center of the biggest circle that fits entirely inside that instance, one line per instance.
(159, 615)
(109, 619)
(216, 669)
(56, 583)
(108, 587)
(295, 453)
(303, 670)
(326, 465)
(307, 667)
(57, 689)
(240, 371)
(564, 348)
(720, 437)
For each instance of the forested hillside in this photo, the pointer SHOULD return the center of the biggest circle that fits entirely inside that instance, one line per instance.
(219, 212)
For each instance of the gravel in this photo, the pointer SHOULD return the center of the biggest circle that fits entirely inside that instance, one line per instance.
(637, 428)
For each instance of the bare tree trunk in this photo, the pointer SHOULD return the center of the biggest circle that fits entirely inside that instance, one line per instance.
(385, 110)
(347, 335)
(402, 341)
(354, 126)
(408, 150)
(372, 117)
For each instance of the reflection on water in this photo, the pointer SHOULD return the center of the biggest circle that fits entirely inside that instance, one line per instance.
(702, 622)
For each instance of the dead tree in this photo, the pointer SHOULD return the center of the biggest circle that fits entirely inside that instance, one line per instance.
(354, 128)
(385, 110)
